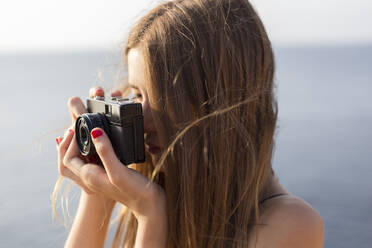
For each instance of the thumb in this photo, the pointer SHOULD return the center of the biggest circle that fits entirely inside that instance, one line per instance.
(106, 152)
(119, 175)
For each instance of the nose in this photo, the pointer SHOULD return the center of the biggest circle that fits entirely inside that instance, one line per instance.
(148, 122)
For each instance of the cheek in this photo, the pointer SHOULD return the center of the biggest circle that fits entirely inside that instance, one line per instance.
(147, 106)
(146, 110)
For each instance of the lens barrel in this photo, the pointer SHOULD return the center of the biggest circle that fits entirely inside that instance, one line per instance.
(85, 123)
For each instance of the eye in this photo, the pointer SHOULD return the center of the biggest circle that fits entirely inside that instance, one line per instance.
(135, 95)
(138, 95)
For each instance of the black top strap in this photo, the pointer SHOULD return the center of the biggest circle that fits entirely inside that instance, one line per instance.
(272, 196)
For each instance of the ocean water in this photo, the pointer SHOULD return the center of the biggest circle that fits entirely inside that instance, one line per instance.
(323, 143)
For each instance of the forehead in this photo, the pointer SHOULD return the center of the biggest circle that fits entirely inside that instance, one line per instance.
(136, 69)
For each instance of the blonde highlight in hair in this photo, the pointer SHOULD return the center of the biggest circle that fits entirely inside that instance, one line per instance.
(210, 71)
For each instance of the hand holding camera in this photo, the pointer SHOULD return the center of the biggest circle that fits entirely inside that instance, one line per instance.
(121, 119)
(113, 180)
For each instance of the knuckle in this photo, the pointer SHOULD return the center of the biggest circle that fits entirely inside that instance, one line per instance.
(88, 176)
(115, 179)
(95, 90)
(66, 161)
(89, 192)
(102, 148)
(62, 170)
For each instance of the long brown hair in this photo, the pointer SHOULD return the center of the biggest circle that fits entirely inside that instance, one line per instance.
(210, 70)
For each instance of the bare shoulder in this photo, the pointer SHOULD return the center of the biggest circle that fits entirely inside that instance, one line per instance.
(289, 221)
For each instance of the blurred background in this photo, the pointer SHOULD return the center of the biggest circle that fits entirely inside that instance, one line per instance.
(52, 50)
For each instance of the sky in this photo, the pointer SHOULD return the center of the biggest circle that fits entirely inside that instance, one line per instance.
(102, 24)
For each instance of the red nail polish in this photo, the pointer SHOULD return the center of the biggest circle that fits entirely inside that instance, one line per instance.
(57, 141)
(96, 133)
(70, 130)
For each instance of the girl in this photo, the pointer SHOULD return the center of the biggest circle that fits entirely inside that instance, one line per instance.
(203, 71)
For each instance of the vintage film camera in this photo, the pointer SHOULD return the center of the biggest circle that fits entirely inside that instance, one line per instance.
(121, 119)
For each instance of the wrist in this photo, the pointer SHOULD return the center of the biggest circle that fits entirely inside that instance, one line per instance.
(152, 232)
(91, 222)
(153, 208)
(99, 202)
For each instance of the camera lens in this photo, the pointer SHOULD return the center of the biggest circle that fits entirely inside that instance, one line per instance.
(83, 135)
(84, 125)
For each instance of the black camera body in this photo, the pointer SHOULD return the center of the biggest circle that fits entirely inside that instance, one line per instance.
(122, 121)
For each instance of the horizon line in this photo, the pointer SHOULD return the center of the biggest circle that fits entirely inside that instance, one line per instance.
(113, 49)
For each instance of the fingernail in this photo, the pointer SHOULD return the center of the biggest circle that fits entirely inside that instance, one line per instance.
(57, 140)
(96, 133)
(70, 130)
(99, 92)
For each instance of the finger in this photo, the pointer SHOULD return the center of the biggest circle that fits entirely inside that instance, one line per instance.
(63, 170)
(59, 139)
(119, 175)
(69, 174)
(91, 177)
(109, 182)
(96, 179)
(84, 172)
(96, 91)
(71, 159)
(62, 149)
(70, 167)
(76, 108)
(105, 151)
(65, 141)
(116, 93)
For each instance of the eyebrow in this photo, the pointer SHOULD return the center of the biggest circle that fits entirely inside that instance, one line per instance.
(133, 86)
